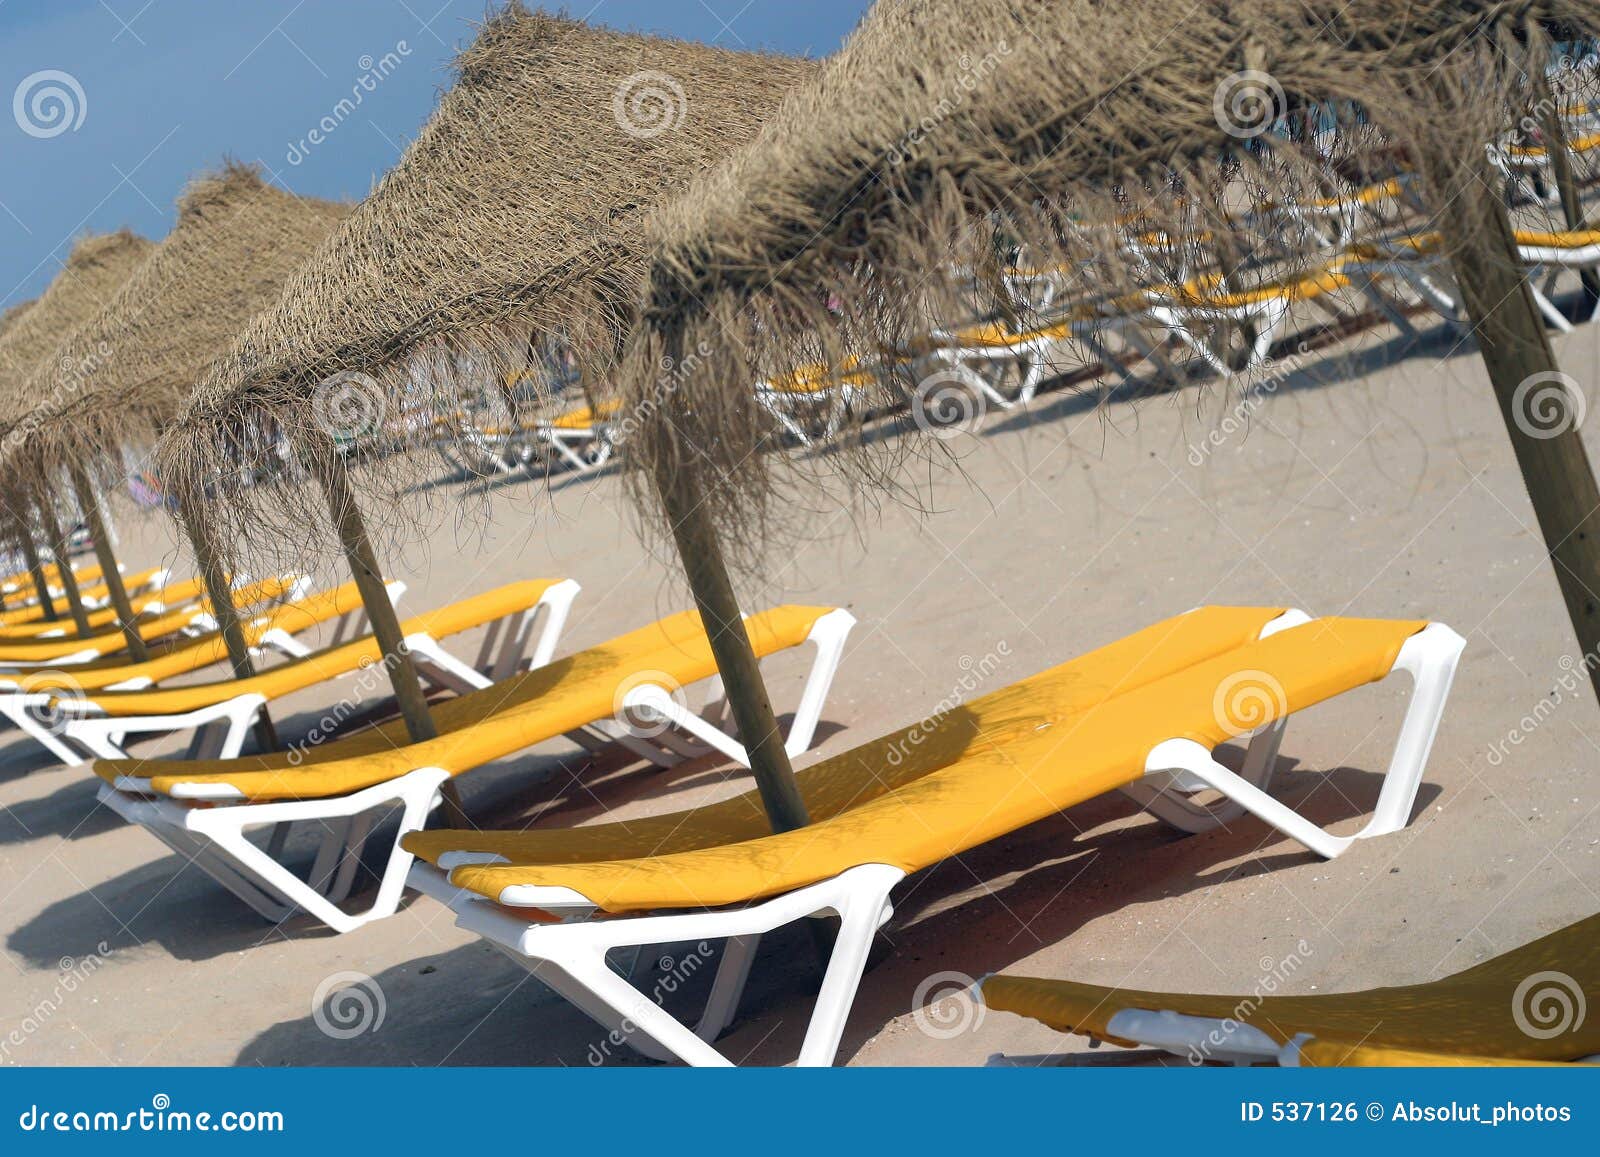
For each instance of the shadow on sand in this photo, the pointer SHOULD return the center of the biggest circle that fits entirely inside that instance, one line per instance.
(977, 913)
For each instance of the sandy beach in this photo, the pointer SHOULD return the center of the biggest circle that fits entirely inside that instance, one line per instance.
(1379, 485)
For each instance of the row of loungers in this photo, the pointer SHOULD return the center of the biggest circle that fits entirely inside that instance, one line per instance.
(1142, 715)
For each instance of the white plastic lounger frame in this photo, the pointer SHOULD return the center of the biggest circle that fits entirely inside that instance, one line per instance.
(570, 956)
(583, 448)
(1197, 1039)
(1429, 277)
(207, 823)
(828, 403)
(37, 713)
(221, 728)
(666, 732)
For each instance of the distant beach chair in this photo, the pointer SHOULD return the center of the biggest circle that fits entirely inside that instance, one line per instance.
(1418, 261)
(1527, 167)
(1524, 1006)
(28, 696)
(152, 600)
(582, 438)
(203, 809)
(1141, 715)
(220, 713)
(184, 619)
(810, 403)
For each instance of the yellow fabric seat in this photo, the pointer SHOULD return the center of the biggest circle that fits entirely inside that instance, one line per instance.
(835, 785)
(1469, 1017)
(159, 627)
(815, 378)
(1581, 144)
(1023, 758)
(1329, 279)
(584, 417)
(87, 587)
(193, 654)
(328, 663)
(173, 595)
(479, 726)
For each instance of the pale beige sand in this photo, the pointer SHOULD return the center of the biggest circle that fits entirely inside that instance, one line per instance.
(1390, 492)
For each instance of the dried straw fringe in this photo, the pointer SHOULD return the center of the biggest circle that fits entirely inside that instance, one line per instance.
(118, 380)
(515, 213)
(945, 132)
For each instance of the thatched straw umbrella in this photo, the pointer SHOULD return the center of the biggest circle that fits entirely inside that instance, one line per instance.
(945, 128)
(7, 320)
(116, 382)
(516, 211)
(13, 314)
(94, 270)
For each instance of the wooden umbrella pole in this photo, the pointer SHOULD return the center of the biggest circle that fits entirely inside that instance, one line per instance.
(223, 610)
(59, 548)
(1539, 404)
(30, 552)
(707, 572)
(89, 503)
(334, 476)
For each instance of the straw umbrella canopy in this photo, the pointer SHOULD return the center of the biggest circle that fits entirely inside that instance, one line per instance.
(944, 131)
(7, 319)
(115, 383)
(94, 270)
(13, 314)
(515, 212)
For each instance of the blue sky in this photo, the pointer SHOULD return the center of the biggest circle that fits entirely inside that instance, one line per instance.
(162, 89)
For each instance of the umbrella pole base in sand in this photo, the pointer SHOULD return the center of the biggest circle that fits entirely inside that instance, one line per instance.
(1540, 405)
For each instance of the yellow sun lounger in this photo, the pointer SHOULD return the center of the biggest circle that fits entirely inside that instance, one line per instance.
(23, 580)
(220, 713)
(73, 650)
(27, 698)
(1420, 262)
(1141, 715)
(627, 690)
(581, 438)
(811, 403)
(94, 595)
(1521, 1007)
(153, 601)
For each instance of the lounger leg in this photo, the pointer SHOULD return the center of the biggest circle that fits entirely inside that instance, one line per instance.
(828, 635)
(1170, 804)
(576, 958)
(14, 707)
(1430, 657)
(215, 840)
